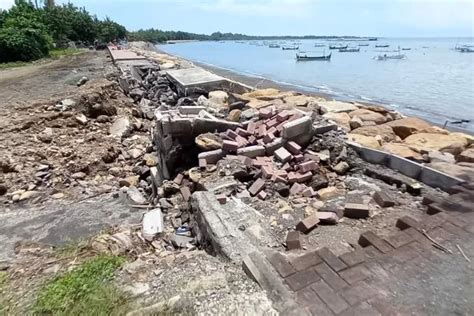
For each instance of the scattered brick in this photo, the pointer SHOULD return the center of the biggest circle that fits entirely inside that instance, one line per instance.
(305, 261)
(245, 160)
(353, 258)
(272, 123)
(383, 199)
(275, 178)
(430, 198)
(310, 155)
(202, 163)
(282, 155)
(221, 198)
(293, 148)
(178, 179)
(265, 113)
(267, 171)
(262, 131)
(186, 193)
(241, 141)
(328, 296)
(286, 167)
(334, 262)
(328, 218)
(256, 187)
(281, 264)
(293, 241)
(252, 140)
(363, 308)
(434, 221)
(308, 192)
(282, 116)
(418, 236)
(299, 158)
(304, 177)
(292, 177)
(262, 195)
(306, 225)
(251, 128)
(369, 238)
(268, 138)
(296, 189)
(307, 166)
(399, 239)
(230, 146)
(355, 274)
(242, 132)
(301, 279)
(231, 134)
(353, 210)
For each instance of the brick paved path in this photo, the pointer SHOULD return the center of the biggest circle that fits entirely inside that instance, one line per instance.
(404, 274)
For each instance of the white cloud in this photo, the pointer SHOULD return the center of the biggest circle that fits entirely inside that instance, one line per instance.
(6, 4)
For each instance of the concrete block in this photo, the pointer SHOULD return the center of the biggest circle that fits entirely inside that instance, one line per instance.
(373, 155)
(383, 199)
(277, 143)
(297, 127)
(407, 167)
(262, 195)
(293, 240)
(324, 128)
(438, 179)
(252, 151)
(186, 193)
(282, 155)
(211, 157)
(353, 210)
(328, 218)
(191, 110)
(306, 225)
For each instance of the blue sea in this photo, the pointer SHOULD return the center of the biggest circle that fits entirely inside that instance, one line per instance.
(434, 81)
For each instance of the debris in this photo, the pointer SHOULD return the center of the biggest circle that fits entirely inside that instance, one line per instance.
(306, 225)
(293, 240)
(181, 241)
(152, 224)
(136, 196)
(383, 199)
(82, 81)
(327, 218)
(353, 210)
(435, 243)
(462, 253)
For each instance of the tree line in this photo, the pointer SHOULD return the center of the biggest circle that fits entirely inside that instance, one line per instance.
(29, 31)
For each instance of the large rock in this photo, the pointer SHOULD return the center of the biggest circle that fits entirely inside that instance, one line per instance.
(121, 127)
(367, 141)
(258, 104)
(385, 132)
(466, 156)
(268, 94)
(367, 115)
(407, 126)
(234, 115)
(219, 97)
(336, 106)
(342, 119)
(402, 151)
(453, 144)
(208, 141)
(464, 171)
(297, 100)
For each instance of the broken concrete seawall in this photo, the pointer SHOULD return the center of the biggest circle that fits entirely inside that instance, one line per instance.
(268, 179)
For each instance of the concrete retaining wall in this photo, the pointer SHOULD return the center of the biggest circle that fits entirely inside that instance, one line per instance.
(417, 171)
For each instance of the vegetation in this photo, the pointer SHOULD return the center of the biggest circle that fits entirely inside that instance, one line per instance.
(86, 290)
(29, 32)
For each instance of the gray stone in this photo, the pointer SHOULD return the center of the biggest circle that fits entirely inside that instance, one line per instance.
(136, 196)
(181, 241)
(152, 224)
(121, 127)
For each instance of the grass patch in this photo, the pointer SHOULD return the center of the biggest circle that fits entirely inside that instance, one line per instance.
(86, 290)
(3, 285)
(72, 248)
(13, 65)
(56, 53)
(53, 54)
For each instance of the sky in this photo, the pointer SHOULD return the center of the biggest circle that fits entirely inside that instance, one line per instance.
(382, 18)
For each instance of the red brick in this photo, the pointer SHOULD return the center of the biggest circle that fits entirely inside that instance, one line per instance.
(430, 198)
(304, 177)
(286, 167)
(251, 127)
(202, 163)
(296, 188)
(307, 166)
(262, 131)
(252, 140)
(353, 258)
(399, 239)
(186, 193)
(355, 274)
(260, 163)
(272, 123)
(306, 261)
(276, 178)
(178, 179)
(231, 134)
(328, 296)
(293, 148)
(359, 292)
(298, 158)
(301, 279)
(434, 221)
(267, 171)
(308, 192)
(256, 187)
(241, 141)
(221, 198)
(262, 195)
(372, 253)
(328, 218)
(306, 225)
(354, 210)
(331, 277)
(407, 222)
(334, 262)
(383, 199)
(293, 240)
(265, 113)
(369, 238)
(268, 138)
(281, 264)
(418, 236)
(283, 116)
(245, 160)
(230, 146)
(242, 132)
(292, 177)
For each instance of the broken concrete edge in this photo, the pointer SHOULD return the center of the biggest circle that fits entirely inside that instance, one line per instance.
(414, 170)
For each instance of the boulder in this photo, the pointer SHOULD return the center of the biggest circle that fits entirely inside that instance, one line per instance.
(218, 97)
(433, 130)
(150, 160)
(208, 141)
(367, 115)
(466, 156)
(341, 168)
(136, 196)
(121, 127)
(336, 106)
(402, 151)
(407, 126)
(297, 100)
(129, 181)
(261, 93)
(469, 138)
(342, 119)
(367, 141)
(355, 122)
(424, 142)
(437, 156)
(234, 115)
(329, 192)
(258, 104)
(385, 132)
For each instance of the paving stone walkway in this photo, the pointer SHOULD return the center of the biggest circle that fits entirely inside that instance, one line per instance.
(403, 274)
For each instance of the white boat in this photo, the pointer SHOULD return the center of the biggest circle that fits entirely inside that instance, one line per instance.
(386, 56)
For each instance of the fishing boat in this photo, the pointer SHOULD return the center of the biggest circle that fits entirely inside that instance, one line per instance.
(350, 50)
(364, 44)
(406, 48)
(274, 46)
(382, 45)
(307, 56)
(338, 46)
(319, 45)
(386, 56)
(372, 38)
(290, 47)
(464, 48)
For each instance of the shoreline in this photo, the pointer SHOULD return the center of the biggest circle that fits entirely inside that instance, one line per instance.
(262, 83)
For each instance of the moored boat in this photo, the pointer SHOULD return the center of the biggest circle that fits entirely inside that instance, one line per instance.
(290, 47)
(319, 45)
(350, 50)
(382, 45)
(386, 56)
(338, 46)
(274, 46)
(406, 48)
(364, 44)
(307, 56)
